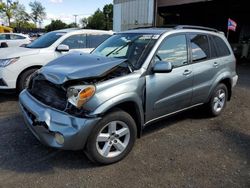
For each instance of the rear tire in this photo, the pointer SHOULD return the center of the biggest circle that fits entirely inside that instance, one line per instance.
(218, 100)
(24, 79)
(112, 138)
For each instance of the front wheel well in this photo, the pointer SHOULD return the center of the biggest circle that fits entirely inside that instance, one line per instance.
(33, 67)
(133, 110)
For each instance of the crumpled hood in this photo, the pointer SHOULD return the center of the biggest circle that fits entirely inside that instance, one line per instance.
(11, 52)
(76, 66)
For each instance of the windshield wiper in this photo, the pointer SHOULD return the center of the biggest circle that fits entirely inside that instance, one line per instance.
(118, 49)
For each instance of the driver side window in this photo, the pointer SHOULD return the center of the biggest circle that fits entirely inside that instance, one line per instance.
(173, 50)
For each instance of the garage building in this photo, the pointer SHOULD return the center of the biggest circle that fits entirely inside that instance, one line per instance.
(130, 14)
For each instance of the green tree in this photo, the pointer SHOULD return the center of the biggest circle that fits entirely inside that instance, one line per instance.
(84, 22)
(108, 12)
(21, 17)
(96, 21)
(72, 25)
(38, 12)
(101, 19)
(23, 25)
(55, 25)
(8, 9)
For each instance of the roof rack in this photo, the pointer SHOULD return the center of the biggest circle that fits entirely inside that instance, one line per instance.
(179, 27)
(195, 27)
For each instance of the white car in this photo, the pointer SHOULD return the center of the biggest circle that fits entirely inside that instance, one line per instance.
(17, 64)
(13, 40)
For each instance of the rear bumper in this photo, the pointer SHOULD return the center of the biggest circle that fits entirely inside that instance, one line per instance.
(44, 122)
(235, 79)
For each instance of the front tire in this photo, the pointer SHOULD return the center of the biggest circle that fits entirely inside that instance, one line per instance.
(112, 138)
(24, 79)
(218, 100)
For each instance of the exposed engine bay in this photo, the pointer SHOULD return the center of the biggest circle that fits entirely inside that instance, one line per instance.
(55, 95)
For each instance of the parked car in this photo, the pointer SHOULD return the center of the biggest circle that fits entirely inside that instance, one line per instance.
(101, 102)
(13, 39)
(17, 64)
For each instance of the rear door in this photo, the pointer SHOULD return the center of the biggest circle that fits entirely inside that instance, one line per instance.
(169, 92)
(205, 65)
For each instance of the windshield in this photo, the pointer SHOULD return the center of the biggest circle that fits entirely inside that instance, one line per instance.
(134, 47)
(46, 40)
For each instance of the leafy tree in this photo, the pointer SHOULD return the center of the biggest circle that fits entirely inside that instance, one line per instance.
(23, 25)
(101, 19)
(21, 17)
(96, 21)
(72, 25)
(84, 22)
(8, 9)
(55, 25)
(38, 12)
(108, 12)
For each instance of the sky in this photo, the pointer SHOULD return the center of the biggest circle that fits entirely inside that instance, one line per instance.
(65, 9)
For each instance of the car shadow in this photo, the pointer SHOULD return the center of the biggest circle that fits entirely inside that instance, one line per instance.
(195, 113)
(20, 151)
(8, 96)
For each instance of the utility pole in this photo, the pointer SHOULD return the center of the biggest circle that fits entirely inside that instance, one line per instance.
(75, 15)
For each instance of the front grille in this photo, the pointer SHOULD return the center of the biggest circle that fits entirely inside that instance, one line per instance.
(48, 93)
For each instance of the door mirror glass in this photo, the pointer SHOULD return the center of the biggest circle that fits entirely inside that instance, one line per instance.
(162, 67)
(62, 48)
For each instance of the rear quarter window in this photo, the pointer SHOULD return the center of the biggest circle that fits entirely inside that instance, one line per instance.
(200, 47)
(221, 47)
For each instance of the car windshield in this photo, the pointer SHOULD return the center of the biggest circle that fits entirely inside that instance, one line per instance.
(134, 47)
(45, 40)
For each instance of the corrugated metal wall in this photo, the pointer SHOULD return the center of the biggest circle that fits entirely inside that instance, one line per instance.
(163, 3)
(133, 13)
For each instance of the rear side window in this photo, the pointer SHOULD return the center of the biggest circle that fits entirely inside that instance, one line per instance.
(221, 47)
(95, 40)
(2, 37)
(200, 47)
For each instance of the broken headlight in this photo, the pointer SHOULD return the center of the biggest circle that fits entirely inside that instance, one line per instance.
(79, 95)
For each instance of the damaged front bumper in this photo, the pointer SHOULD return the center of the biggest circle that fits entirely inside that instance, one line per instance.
(53, 127)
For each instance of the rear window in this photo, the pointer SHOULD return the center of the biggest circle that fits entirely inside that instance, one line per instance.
(200, 47)
(221, 47)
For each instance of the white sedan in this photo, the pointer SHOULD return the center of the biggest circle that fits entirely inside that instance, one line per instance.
(18, 63)
(13, 39)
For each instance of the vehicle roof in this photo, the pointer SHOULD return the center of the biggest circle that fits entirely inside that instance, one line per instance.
(161, 30)
(77, 30)
(156, 31)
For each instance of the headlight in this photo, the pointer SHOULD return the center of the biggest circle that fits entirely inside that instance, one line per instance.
(78, 95)
(6, 62)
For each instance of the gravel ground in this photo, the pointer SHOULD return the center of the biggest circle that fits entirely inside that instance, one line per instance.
(187, 150)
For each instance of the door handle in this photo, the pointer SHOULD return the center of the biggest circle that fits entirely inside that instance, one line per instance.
(216, 64)
(187, 72)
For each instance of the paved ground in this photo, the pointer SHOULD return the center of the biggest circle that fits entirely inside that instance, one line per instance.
(188, 150)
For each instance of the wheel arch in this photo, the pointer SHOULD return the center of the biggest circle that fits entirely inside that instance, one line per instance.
(26, 69)
(130, 103)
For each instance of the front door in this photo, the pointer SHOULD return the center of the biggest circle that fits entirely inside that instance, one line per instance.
(169, 92)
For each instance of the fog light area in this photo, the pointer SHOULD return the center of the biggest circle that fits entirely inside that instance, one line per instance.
(59, 138)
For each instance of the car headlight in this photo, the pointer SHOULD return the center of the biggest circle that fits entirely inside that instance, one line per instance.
(6, 62)
(79, 95)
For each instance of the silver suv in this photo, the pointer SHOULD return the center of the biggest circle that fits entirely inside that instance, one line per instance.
(101, 102)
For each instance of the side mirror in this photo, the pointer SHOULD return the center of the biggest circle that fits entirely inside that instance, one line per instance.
(62, 48)
(162, 67)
